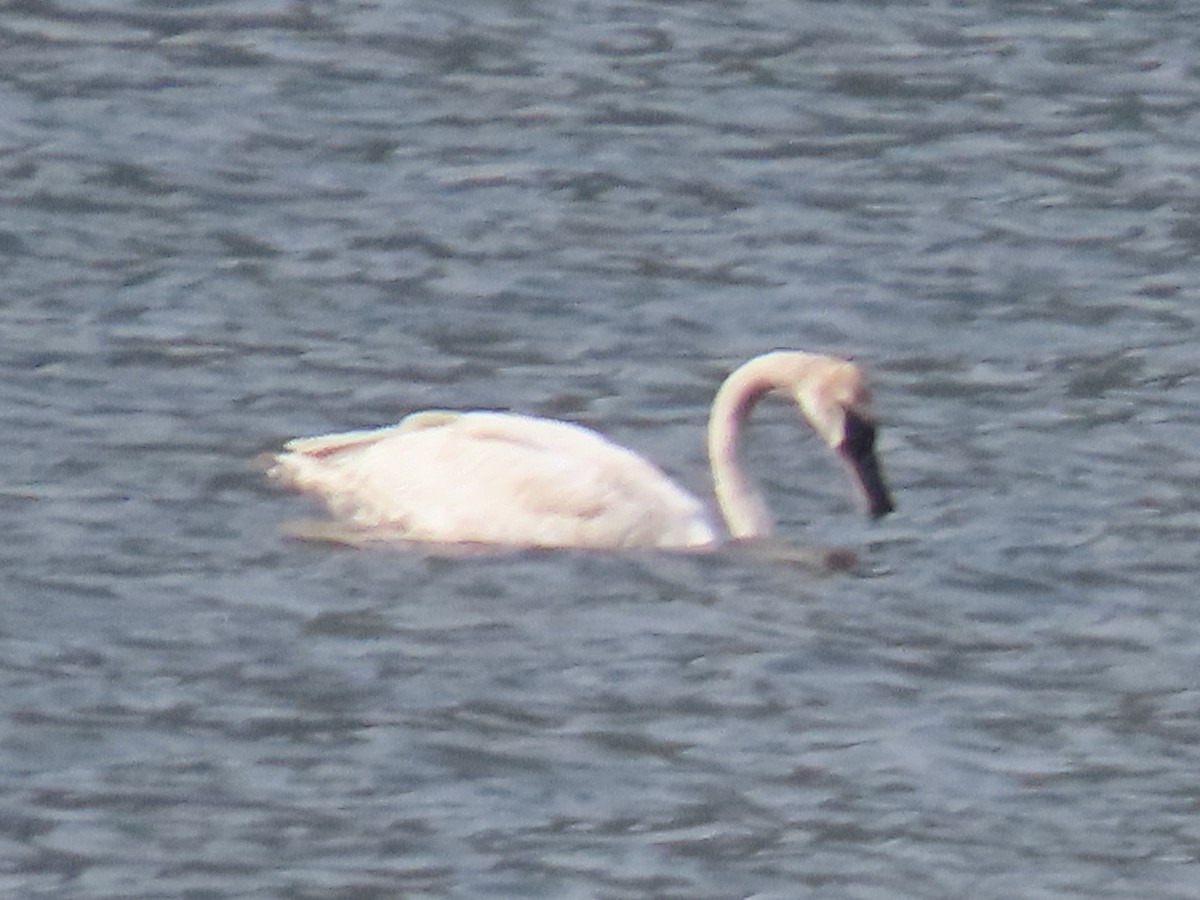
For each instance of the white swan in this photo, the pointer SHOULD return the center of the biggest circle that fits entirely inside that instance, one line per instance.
(507, 479)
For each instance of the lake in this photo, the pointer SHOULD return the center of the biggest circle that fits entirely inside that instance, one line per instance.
(225, 224)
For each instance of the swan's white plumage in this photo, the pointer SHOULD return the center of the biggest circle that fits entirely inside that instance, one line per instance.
(508, 479)
(494, 478)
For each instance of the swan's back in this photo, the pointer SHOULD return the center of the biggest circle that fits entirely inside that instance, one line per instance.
(494, 478)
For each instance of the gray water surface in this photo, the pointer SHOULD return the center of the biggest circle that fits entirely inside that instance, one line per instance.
(226, 224)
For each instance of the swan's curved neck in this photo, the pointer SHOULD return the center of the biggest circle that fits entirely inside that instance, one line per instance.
(742, 506)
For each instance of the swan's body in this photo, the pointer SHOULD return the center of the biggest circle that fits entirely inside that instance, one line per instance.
(508, 479)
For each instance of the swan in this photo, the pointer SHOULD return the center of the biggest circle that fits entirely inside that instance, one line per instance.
(500, 478)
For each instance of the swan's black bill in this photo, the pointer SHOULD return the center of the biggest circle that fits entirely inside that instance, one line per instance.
(858, 450)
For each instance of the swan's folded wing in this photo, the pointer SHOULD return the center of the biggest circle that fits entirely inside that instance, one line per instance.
(599, 491)
(329, 444)
(495, 478)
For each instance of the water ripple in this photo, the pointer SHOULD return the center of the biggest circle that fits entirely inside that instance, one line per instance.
(229, 223)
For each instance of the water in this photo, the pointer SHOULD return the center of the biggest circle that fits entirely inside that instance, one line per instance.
(226, 224)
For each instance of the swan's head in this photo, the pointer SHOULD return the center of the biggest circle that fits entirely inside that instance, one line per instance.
(834, 397)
